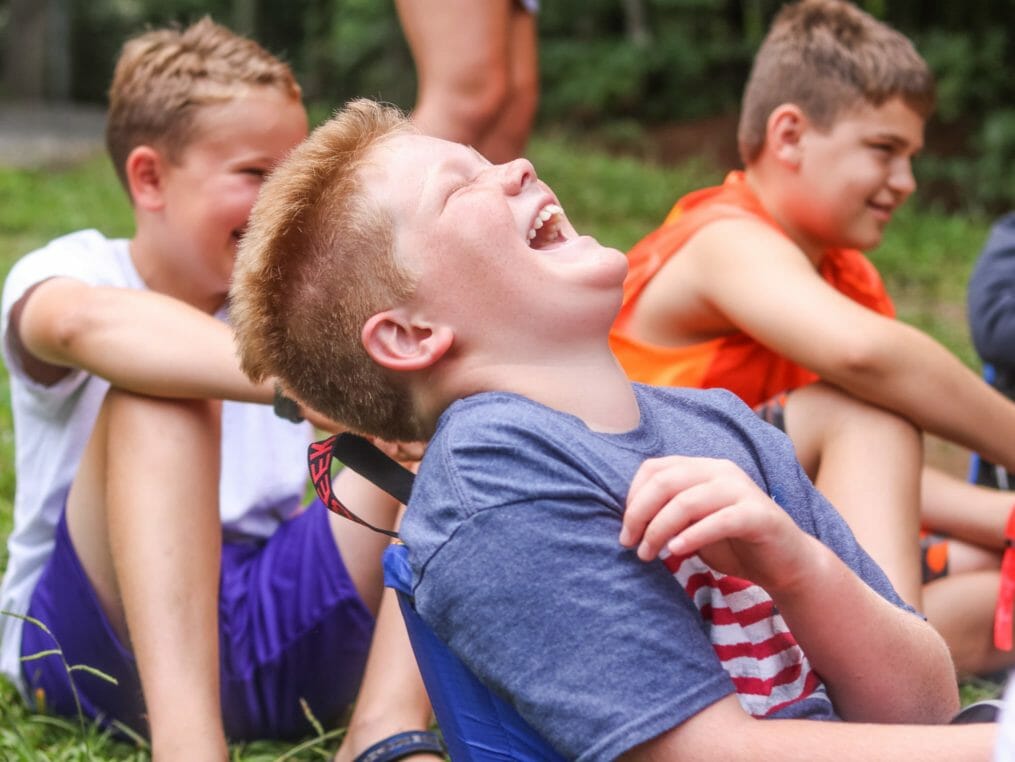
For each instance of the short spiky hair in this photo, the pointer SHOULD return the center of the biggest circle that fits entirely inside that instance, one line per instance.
(316, 262)
(828, 56)
(165, 76)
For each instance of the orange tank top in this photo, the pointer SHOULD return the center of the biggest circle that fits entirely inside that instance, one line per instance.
(735, 361)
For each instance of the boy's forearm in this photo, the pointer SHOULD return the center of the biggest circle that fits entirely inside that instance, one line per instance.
(723, 731)
(879, 663)
(912, 374)
(780, 300)
(140, 341)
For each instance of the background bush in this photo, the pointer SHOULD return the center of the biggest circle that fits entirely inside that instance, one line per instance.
(644, 62)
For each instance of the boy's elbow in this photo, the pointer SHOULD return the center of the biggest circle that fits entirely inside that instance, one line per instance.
(876, 353)
(932, 689)
(70, 326)
(858, 358)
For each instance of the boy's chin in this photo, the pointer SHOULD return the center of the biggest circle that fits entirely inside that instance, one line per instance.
(869, 241)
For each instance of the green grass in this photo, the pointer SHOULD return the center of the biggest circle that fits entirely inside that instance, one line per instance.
(925, 259)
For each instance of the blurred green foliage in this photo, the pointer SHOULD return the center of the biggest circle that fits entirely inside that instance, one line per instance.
(651, 61)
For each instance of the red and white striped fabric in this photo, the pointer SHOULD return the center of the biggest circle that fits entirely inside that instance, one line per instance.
(750, 637)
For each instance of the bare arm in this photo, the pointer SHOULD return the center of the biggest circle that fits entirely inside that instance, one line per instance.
(141, 341)
(724, 731)
(779, 299)
(879, 663)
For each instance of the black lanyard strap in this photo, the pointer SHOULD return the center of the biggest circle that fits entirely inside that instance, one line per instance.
(364, 458)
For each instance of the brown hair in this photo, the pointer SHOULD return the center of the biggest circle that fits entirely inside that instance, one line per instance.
(828, 56)
(165, 76)
(316, 262)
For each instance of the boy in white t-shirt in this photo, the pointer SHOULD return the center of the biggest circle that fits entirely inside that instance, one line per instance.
(158, 529)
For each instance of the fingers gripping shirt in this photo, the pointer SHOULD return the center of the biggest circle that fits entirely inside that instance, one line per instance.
(512, 531)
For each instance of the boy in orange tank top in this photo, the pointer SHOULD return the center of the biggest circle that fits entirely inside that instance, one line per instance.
(771, 295)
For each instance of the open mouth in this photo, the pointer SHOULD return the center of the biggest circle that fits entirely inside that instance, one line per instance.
(546, 231)
(883, 211)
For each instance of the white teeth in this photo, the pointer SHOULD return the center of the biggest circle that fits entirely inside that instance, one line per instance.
(547, 214)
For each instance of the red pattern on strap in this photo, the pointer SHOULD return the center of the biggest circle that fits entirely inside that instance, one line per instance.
(319, 457)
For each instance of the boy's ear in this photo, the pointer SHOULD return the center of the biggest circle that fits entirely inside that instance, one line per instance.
(145, 172)
(395, 342)
(786, 126)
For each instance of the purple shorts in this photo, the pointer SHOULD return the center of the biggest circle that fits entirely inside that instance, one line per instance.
(291, 626)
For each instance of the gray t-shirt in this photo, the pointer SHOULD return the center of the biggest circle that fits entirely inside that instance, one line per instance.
(512, 533)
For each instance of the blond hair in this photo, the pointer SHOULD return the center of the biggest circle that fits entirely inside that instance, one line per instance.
(827, 57)
(164, 77)
(316, 262)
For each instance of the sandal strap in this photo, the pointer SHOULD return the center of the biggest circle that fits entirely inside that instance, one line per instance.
(402, 745)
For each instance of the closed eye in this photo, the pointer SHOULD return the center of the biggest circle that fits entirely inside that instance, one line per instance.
(453, 190)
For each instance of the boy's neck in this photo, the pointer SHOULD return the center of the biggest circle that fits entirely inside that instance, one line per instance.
(766, 189)
(154, 264)
(591, 386)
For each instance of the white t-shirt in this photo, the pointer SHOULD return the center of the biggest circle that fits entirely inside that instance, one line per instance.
(264, 468)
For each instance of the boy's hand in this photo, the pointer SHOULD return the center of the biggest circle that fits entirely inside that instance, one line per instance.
(711, 507)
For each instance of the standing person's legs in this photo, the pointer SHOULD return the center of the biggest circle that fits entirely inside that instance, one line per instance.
(507, 138)
(867, 462)
(465, 54)
(143, 516)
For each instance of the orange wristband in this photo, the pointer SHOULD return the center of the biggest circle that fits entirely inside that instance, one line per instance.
(1006, 594)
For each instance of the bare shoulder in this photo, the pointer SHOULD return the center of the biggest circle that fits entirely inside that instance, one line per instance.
(746, 241)
(728, 262)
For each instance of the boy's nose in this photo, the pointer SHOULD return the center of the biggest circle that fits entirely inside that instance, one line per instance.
(516, 175)
(901, 180)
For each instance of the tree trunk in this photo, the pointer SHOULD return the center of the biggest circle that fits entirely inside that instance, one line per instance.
(637, 27)
(24, 57)
(58, 52)
(37, 59)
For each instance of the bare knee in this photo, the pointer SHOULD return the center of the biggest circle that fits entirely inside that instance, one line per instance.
(466, 107)
(130, 414)
(517, 116)
(824, 411)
